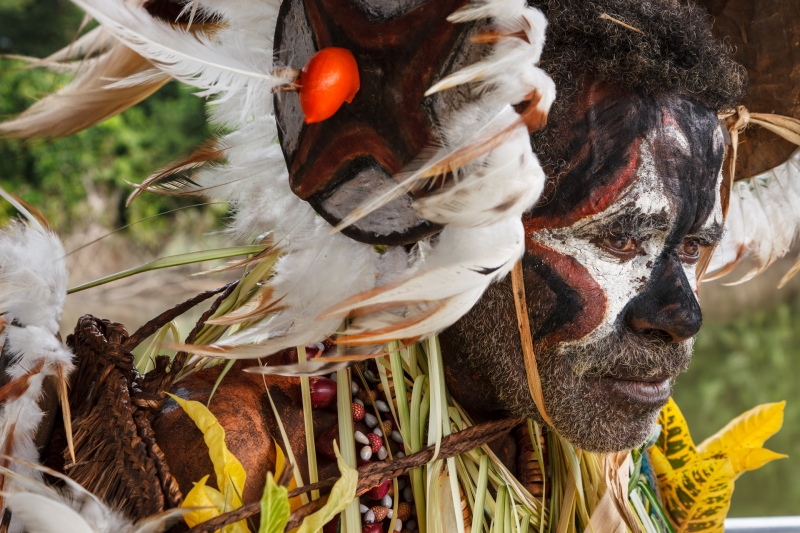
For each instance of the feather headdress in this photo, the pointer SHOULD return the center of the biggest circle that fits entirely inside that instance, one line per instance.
(33, 282)
(483, 158)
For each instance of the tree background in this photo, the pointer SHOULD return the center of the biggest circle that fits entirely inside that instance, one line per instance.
(748, 352)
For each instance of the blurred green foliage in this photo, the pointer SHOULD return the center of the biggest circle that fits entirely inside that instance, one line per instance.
(737, 366)
(79, 180)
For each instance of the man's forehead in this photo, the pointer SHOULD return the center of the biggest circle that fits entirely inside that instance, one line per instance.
(632, 153)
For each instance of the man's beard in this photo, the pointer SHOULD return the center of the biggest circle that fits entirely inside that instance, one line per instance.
(575, 383)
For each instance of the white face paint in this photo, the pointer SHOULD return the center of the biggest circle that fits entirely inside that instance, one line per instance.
(643, 212)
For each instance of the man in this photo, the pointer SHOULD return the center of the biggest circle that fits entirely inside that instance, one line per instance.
(634, 153)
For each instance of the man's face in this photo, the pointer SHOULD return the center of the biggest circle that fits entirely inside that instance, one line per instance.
(610, 269)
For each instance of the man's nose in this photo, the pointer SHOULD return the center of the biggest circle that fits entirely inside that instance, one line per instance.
(667, 308)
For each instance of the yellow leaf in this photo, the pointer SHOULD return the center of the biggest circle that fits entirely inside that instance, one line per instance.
(275, 512)
(342, 493)
(698, 496)
(675, 441)
(660, 464)
(745, 459)
(230, 474)
(280, 463)
(199, 498)
(749, 430)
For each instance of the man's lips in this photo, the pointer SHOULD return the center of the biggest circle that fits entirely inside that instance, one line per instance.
(655, 393)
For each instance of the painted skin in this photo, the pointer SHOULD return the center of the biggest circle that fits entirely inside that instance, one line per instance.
(609, 272)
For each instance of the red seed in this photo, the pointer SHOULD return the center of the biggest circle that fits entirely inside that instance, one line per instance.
(332, 526)
(372, 528)
(324, 443)
(379, 491)
(358, 412)
(375, 442)
(329, 79)
(323, 392)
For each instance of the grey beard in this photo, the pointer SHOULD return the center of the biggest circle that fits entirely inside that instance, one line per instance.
(581, 413)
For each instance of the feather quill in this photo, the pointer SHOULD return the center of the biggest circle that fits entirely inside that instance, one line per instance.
(192, 58)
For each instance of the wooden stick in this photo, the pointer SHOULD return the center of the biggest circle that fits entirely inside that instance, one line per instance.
(531, 368)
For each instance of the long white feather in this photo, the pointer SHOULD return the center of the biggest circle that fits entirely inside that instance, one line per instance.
(763, 221)
(189, 57)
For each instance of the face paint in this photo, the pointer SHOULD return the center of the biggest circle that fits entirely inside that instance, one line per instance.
(609, 272)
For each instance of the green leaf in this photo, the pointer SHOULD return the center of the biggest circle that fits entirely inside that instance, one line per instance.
(274, 507)
(171, 261)
(342, 493)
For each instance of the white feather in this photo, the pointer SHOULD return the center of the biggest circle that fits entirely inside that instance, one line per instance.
(189, 57)
(44, 509)
(763, 220)
(33, 280)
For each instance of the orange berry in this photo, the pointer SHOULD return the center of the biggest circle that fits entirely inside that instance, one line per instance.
(404, 511)
(329, 79)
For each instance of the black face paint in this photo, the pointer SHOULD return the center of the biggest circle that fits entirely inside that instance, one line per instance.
(668, 307)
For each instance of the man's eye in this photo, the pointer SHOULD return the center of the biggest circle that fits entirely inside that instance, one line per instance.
(620, 244)
(690, 249)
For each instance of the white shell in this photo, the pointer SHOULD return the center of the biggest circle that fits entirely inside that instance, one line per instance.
(360, 437)
(365, 453)
(382, 453)
(370, 420)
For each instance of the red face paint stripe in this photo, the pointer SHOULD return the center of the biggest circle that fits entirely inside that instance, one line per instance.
(592, 297)
(600, 199)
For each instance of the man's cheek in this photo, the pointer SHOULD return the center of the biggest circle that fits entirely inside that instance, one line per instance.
(580, 306)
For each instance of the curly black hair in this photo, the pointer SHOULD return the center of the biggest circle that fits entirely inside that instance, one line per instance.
(652, 47)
